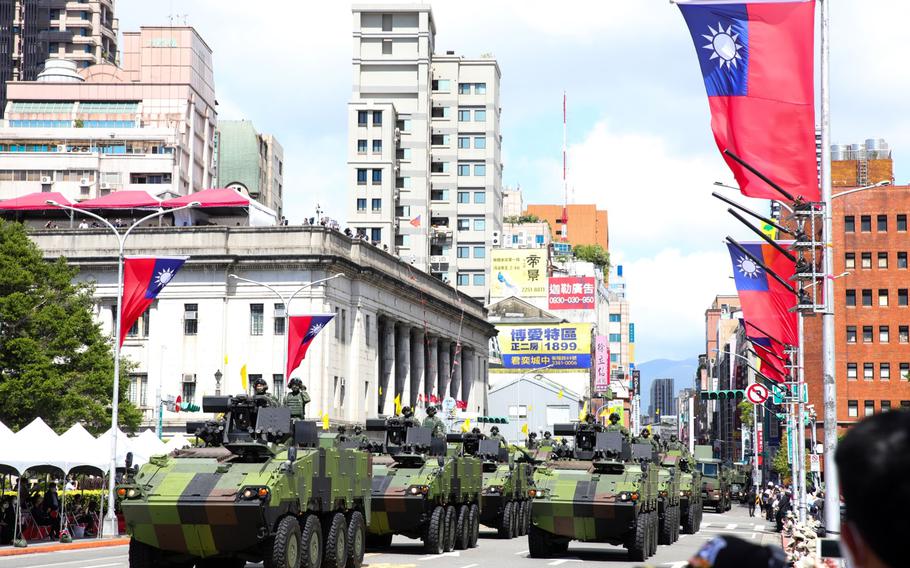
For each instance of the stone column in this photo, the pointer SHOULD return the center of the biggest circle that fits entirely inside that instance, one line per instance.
(455, 384)
(386, 365)
(402, 361)
(468, 374)
(445, 370)
(432, 366)
(418, 348)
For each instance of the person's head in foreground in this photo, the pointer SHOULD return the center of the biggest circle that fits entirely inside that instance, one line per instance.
(731, 552)
(873, 463)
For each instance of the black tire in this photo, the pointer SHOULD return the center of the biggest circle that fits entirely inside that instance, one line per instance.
(665, 531)
(356, 540)
(335, 530)
(539, 545)
(434, 539)
(463, 528)
(677, 530)
(560, 547)
(522, 518)
(450, 528)
(311, 543)
(475, 525)
(142, 555)
(505, 523)
(375, 541)
(528, 506)
(516, 519)
(286, 544)
(638, 545)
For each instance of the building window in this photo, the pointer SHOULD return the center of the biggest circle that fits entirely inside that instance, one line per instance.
(377, 177)
(884, 371)
(850, 260)
(439, 167)
(883, 298)
(480, 197)
(867, 298)
(902, 260)
(377, 146)
(903, 334)
(852, 409)
(480, 142)
(377, 118)
(480, 224)
(884, 334)
(868, 407)
(464, 88)
(851, 333)
(480, 252)
(464, 170)
(464, 115)
(480, 169)
(851, 298)
(361, 146)
(464, 224)
(463, 279)
(865, 223)
(361, 176)
(867, 334)
(882, 224)
(851, 371)
(361, 205)
(868, 371)
(480, 115)
(387, 47)
(463, 252)
(615, 338)
(439, 140)
(617, 318)
(387, 22)
(376, 235)
(464, 142)
(376, 205)
(518, 411)
(866, 260)
(189, 392)
(849, 224)
(278, 386)
(278, 325)
(361, 118)
(886, 405)
(190, 319)
(480, 280)
(442, 85)
(464, 197)
(439, 112)
(439, 195)
(256, 316)
(901, 222)
(905, 371)
(138, 389)
(902, 297)
(480, 88)
(883, 260)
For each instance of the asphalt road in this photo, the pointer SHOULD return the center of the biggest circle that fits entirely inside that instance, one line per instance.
(406, 553)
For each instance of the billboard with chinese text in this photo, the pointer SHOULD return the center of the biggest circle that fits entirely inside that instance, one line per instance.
(564, 346)
(571, 293)
(518, 272)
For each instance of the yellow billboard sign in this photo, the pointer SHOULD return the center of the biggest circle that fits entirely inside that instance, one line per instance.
(519, 272)
(565, 346)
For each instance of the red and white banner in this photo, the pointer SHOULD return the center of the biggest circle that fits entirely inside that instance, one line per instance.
(601, 363)
(571, 293)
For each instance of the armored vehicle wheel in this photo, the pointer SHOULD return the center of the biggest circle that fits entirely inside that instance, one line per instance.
(665, 531)
(638, 545)
(654, 532)
(475, 525)
(560, 546)
(523, 518)
(450, 528)
(676, 528)
(539, 544)
(527, 507)
(286, 545)
(435, 537)
(463, 528)
(356, 540)
(335, 530)
(311, 543)
(379, 540)
(505, 526)
(142, 555)
(516, 519)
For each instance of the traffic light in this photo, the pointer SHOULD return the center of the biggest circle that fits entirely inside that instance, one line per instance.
(492, 420)
(735, 394)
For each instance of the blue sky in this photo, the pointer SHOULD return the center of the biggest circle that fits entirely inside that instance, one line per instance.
(640, 143)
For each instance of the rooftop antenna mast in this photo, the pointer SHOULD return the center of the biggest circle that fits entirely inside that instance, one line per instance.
(565, 185)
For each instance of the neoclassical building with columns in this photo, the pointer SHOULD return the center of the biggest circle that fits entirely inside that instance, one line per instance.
(396, 331)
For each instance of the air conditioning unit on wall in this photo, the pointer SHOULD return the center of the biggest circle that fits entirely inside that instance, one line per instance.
(189, 378)
(45, 180)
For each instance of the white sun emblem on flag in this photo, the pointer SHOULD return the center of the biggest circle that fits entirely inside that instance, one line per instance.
(725, 45)
(748, 267)
(314, 330)
(164, 276)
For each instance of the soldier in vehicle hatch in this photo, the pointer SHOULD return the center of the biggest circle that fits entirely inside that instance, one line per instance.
(261, 388)
(407, 416)
(645, 438)
(615, 426)
(547, 442)
(434, 423)
(497, 437)
(297, 399)
(532, 443)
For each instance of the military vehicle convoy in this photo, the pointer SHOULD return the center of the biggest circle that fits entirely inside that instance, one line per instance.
(668, 500)
(690, 503)
(715, 487)
(261, 490)
(602, 490)
(422, 488)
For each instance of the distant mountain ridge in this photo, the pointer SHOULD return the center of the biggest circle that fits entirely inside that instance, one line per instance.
(682, 372)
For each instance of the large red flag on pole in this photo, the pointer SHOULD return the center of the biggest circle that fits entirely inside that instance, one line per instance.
(143, 279)
(757, 62)
(301, 332)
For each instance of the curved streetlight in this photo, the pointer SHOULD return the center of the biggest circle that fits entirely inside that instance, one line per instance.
(111, 519)
(287, 306)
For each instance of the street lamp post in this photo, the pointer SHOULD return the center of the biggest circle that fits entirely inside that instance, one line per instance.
(111, 518)
(287, 307)
(218, 376)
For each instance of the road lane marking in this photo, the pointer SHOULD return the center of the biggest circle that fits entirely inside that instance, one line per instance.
(470, 566)
(454, 554)
(754, 535)
(731, 526)
(562, 561)
(706, 524)
(520, 553)
(83, 561)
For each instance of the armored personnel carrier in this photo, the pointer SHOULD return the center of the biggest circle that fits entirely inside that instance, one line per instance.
(715, 487)
(261, 490)
(423, 488)
(507, 479)
(690, 504)
(604, 489)
(668, 500)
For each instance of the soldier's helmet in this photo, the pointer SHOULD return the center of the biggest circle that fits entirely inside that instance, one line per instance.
(547, 435)
(494, 430)
(614, 418)
(406, 411)
(260, 382)
(657, 437)
(475, 430)
(341, 429)
(673, 438)
(532, 435)
(295, 382)
(431, 411)
(358, 430)
(645, 433)
(590, 419)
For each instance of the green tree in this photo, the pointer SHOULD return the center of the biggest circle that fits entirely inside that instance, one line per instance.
(55, 362)
(594, 254)
(746, 415)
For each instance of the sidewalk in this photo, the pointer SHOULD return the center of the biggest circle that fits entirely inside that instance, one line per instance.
(39, 547)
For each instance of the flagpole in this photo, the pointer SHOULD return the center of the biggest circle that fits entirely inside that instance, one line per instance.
(832, 487)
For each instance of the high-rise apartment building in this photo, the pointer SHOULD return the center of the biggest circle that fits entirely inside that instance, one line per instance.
(424, 146)
(587, 225)
(251, 162)
(148, 125)
(31, 31)
(663, 393)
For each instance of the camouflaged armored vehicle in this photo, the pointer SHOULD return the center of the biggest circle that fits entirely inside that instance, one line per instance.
(690, 503)
(668, 500)
(261, 490)
(507, 479)
(602, 490)
(715, 487)
(422, 488)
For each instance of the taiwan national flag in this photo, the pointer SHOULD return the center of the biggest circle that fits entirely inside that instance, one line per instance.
(770, 352)
(143, 279)
(757, 62)
(301, 332)
(766, 303)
